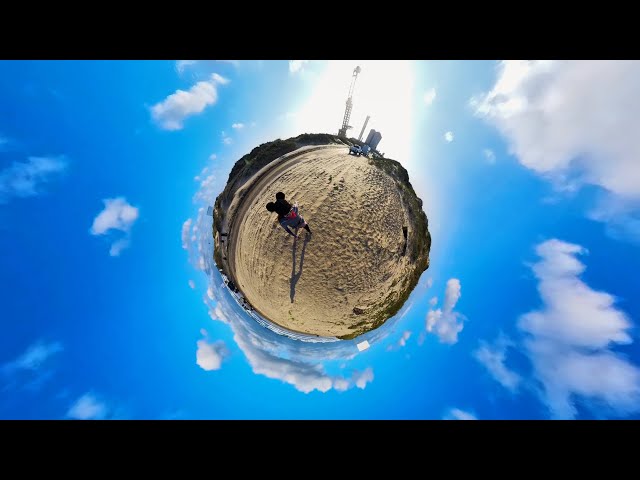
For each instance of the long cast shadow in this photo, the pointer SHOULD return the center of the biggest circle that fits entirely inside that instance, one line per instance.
(296, 276)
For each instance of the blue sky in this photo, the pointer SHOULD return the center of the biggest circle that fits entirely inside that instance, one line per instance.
(111, 308)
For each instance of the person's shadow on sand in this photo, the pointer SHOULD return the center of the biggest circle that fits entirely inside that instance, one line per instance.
(296, 276)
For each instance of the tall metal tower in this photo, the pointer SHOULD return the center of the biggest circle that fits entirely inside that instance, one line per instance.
(363, 127)
(347, 113)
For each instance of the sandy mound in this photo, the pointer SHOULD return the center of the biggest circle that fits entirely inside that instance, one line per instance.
(354, 259)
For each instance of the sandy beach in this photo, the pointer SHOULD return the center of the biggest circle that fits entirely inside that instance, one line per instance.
(353, 259)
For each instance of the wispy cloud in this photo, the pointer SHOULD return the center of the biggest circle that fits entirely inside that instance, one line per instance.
(32, 369)
(493, 358)
(213, 156)
(192, 284)
(225, 138)
(430, 96)
(210, 355)
(186, 228)
(457, 414)
(361, 379)
(539, 107)
(119, 215)
(88, 407)
(297, 66)
(401, 342)
(445, 322)
(489, 156)
(448, 136)
(173, 110)
(238, 126)
(182, 65)
(34, 356)
(433, 301)
(26, 179)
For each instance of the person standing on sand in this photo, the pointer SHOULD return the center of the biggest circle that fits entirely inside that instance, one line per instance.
(287, 214)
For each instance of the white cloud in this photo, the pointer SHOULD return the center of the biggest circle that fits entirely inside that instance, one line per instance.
(433, 301)
(34, 356)
(401, 342)
(32, 369)
(186, 226)
(620, 215)
(569, 339)
(448, 136)
(445, 323)
(210, 355)
(182, 65)
(173, 110)
(296, 66)
(88, 407)
(430, 96)
(219, 79)
(238, 126)
(25, 179)
(405, 336)
(489, 156)
(213, 156)
(493, 358)
(540, 108)
(118, 246)
(457, 414)
(117, 214)
(192, 284)
(361, 379)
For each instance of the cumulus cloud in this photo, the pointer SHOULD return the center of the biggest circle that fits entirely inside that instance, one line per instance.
(446, 323)
(173, 110)
(117, 214)
(448, 136)
(238, 126)
(26, 179)
(457, 414)
(489, 156)
(430, 96)
(88, 407)
(210, 355)
(493, 358)
(569, 338)
(540, 108)
(296, 66)
(186, 227)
